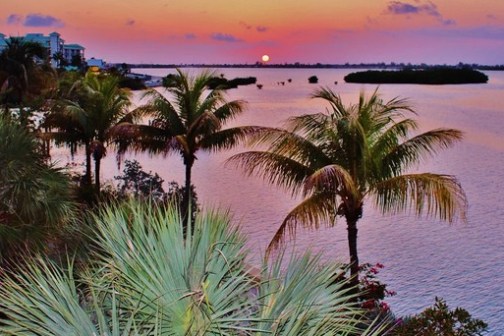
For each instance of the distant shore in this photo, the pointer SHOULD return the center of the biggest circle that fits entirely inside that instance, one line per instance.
(435, 76)
(384, 66)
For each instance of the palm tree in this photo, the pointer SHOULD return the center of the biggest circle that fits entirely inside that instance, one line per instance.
(93, 106)
(191, 119)
(340, 158)
(60, 59)
(24, 74)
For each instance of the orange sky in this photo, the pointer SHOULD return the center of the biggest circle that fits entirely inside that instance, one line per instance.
(239, 31)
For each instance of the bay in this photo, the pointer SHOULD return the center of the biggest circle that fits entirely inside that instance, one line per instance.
(461, 262)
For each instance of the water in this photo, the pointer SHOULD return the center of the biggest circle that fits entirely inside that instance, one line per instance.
(462, 263)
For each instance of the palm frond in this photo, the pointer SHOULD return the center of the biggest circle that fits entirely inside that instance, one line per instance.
(137, 138)
(227, 138)
(436, 195)
(274, 168)
(423, 145)
(206, 123)
(229, 110)
(331, 178)
(319, 208)
(339, 110)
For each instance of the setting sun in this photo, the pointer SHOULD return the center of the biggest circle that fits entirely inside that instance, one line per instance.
(265, 58)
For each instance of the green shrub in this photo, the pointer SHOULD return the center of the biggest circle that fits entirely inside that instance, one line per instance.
(439, 320)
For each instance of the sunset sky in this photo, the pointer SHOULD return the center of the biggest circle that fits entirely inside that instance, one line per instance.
(241, 31)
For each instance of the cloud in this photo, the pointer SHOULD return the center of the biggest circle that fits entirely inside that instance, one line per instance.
(225, 37)
(428, 8)
(397, 7)
(130, 22)
(14, 19)
(190, 36)
(38, 20)
(262, 29)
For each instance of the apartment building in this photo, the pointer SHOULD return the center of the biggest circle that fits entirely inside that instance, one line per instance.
(54, 44)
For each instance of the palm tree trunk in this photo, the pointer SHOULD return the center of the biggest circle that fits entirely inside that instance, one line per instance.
(352, 247)
(97, 174)
(87, 177)
(186, 201)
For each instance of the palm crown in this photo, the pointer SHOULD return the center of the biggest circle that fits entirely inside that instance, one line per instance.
(339, 158)
(87, 114)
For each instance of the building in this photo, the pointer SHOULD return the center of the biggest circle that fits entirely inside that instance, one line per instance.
(54, 44)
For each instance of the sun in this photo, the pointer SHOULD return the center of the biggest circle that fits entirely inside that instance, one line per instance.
(265, 58)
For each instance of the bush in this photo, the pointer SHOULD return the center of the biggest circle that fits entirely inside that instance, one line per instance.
(439, 320)
(136, 183)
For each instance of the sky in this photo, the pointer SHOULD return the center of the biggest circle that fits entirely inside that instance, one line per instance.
(289, 31)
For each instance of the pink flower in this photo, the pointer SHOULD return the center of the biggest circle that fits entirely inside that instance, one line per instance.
(384, 306)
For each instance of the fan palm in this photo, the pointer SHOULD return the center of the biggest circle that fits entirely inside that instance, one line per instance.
(340, 158)
(190, 119)
(92, 107)
(146, 279)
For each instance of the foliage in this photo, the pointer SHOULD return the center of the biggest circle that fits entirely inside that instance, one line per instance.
(442, 75)
(84, 116)
(372, 291)
(439, 320)
(338, 159)
(189, 119)
(146, 279)
(36, 199)
(137, 183)
(223, 83)
(25, 75)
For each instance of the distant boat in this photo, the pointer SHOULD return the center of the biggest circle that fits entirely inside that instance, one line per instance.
(259, 86)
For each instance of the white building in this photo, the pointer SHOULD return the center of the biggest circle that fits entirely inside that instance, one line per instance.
(54, 44)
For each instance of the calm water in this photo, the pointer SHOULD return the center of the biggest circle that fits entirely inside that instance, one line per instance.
(463, 262)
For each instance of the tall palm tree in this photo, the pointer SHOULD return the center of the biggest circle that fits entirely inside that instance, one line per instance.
(190, 119)
(93, 106)
(340, 158)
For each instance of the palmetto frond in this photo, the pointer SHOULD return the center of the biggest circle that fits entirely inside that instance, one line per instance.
(434, 195)
(146, 279)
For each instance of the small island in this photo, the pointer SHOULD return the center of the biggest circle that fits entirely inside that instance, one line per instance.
(433, 76)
